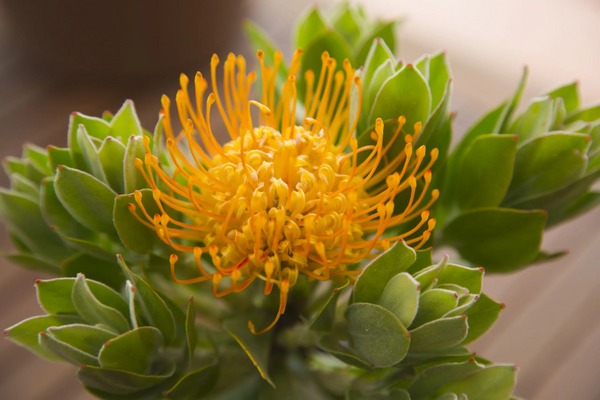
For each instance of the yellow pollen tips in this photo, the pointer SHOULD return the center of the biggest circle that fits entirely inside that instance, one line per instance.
(296, 193)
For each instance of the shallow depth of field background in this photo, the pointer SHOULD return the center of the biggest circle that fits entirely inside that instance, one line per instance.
(551, 326)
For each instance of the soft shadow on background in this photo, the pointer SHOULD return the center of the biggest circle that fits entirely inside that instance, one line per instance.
(65, 56)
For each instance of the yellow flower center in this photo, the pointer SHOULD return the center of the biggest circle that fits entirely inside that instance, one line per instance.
(282, 199)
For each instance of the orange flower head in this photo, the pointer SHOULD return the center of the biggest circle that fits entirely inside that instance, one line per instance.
(288, 196)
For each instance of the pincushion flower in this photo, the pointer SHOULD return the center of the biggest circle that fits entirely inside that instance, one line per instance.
(282, 198)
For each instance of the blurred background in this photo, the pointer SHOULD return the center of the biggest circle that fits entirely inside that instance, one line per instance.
(64, 56)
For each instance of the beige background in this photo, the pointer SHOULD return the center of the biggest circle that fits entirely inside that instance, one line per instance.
(551, 326)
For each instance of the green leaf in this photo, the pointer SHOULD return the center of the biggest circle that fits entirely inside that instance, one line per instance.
(308, 28)
(107, 272)
(38, 156)
(134, 235)
(119, 382)
(133, 351)
(378, 55)
(59, 156)
(23, 185)
(87, 199)
(134, 180)
(381, 74)
(371, 283)
(329, 344)
(110, 154)
(486, 171)
(401, 297)
(22, 215)
(95, 127)
(125, 123)
(32, 262)
(33, 172)
(433, 304)
(384, 31)
(54, 295)
(94, 311)
(392, 101)
(25, 333)
(492, 383)
(439, 335)
(536, 120)
(325, 318)
(426, 277)
(13, 165)
(547, 163)
(151, 308)
(57, 216)
(257, 347)
(422, 65)
(194, 385)
(88, 339)
(482, 316)
(559, 113)
(439, 74)
(569, 94)
(190, 328)
(90, 154)
(514, 101)
(499, 239)
(430, 381)
(377, 335)
(423, 261)
(348, 24)
(468, 278)
(587, 115)
(399, 394)
(130, 295)
(65, 351)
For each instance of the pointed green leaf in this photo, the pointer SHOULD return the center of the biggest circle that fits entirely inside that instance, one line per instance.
(426, 276)
(486, 171)
(492, 383)
(22, 215)
(23, 185)
(348, 24)
(134, 180)
(371, 283)
(308, 28)
(97, 269)
(125, 123)
(65, 351)
(430, 381)
(378, 55)
(439, 335)
(514, 101)
(482, 316)
(464, 303)
(90, 154)
(385, 31)
(190, 328)
(39, 156)
(548, 163)
(329, 344)
(57, 216)
(130, 295)
(95, 127)
(401, 297)
(151, 309)
(119, 382)
(587, 115)
(94, 311)
(54, 295)
(392, 101)
(570, 95)
(536, 120)
(257, 347)
(439, 74)
(422, 65)
(13, 165)
(377, 335)
(89, 339)
(469, 278)
(423, 261)
(499, 239)
(25, 333)
(132, 351)
(325, 318)
(381, 74)
(194, 385)
(111, 154)
(33, 262)
(433, 304)
(87, 199)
